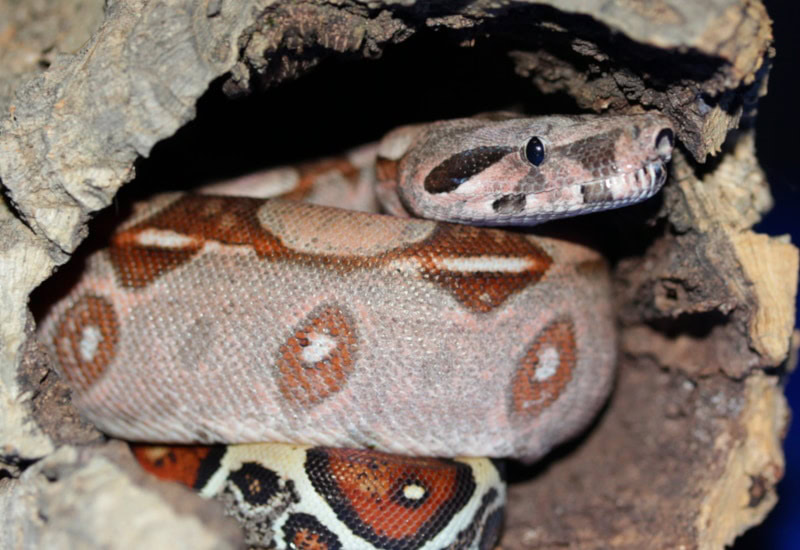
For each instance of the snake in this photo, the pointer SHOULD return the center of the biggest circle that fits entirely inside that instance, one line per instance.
(344, 379)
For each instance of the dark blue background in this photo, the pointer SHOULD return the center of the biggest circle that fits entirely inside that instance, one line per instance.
(778, 144)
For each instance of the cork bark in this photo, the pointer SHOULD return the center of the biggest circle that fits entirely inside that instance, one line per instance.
(686, 453)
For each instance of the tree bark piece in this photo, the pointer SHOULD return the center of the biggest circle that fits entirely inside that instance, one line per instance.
(97, 497)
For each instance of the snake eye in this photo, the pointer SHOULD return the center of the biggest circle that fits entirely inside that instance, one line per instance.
(534, 151)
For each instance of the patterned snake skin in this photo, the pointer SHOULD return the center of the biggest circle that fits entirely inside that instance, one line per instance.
(361, 344)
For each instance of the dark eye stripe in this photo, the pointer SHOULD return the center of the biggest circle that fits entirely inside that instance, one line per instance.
(460, 167)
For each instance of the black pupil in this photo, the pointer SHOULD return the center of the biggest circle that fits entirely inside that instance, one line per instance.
(534, 151)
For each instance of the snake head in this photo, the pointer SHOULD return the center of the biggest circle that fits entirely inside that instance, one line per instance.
(503, 169)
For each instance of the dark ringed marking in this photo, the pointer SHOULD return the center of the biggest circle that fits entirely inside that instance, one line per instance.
(257, 484)
(86, 338)
(510, 204)
(360, 486)
(545, 371)
(315, 361)
(256, 497)
(305, 532)
(457, 169)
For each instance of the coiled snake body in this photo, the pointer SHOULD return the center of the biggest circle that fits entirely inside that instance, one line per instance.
(362, 343)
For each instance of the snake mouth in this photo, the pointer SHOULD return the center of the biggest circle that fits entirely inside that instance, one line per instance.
(572, 200)
(624, 189)
(584, 198)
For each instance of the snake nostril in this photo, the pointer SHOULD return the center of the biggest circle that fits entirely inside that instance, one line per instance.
(665, 141)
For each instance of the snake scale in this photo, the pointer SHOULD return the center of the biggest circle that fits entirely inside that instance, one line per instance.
(361, 345)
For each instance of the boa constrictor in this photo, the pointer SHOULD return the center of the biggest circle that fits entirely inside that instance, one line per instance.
(362, 343)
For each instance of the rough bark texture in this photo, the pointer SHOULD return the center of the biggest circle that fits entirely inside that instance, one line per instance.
(686, 454)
